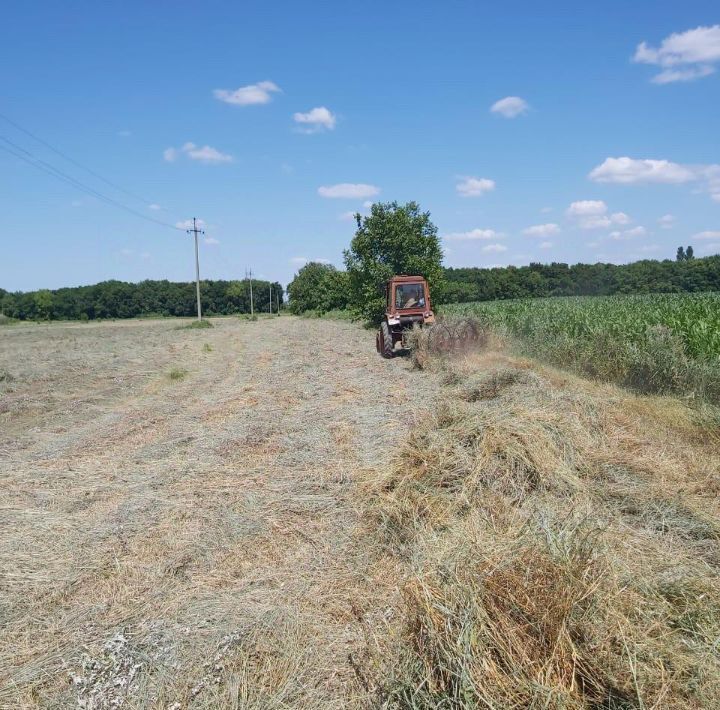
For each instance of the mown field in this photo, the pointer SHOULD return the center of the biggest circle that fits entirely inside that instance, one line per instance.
(653, 343)
(269, 515)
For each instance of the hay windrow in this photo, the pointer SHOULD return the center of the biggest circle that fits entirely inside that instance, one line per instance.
(552, 552)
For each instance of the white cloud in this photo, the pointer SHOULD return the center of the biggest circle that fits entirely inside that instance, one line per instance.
(683, 56)
(592, 214)
(154, 207)
(211, 240)
(317, 119)
(584, 208)
(322, 261)
(667, 221)
(188, 224)
(348, 190)
(206, 154)
(628, 171)
(474, 187)
(260, 93)
(708, 234)
(546, 245)
(494, 248)
(632, 171)
(473, 235)
(510, 106)
(542, 230)
(620, 218)
(546, 210)
(628, 234)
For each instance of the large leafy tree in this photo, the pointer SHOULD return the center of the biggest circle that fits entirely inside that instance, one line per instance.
(392, 240)
(318, 287)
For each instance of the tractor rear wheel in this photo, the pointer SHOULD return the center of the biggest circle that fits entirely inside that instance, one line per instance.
(385, 341)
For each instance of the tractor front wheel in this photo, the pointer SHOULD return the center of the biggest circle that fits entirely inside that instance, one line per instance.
(385, 341)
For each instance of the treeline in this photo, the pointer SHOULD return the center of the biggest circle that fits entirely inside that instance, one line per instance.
(557, 279)
(119, 299)
(319, 287)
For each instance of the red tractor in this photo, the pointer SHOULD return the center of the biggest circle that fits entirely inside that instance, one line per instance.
(407, 305)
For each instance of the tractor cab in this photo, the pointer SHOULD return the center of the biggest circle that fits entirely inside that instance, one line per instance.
(407, 301)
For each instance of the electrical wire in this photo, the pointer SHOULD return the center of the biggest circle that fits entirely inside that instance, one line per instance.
(73, 161)
(28, 157)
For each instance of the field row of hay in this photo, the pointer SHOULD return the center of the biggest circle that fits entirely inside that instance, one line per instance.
(555, 544)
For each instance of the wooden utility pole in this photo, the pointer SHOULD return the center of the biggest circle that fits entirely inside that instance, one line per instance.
(252, 307)
(197, 231)
(270, 301)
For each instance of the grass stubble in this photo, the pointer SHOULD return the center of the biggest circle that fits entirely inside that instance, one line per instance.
(482, 532)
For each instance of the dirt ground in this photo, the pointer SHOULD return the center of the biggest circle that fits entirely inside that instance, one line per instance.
(176, 522)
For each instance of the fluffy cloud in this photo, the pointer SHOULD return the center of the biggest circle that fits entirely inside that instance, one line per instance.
(496, 248)
(683, 56)
(315, 120)
(632, 171)
(260, 93)
(585, 208)
(546, 245)
(628, 234)
(667, 221)
(474, 187)
(188, 224)
(542, 230)
(349, 190)
(155, 207)
(592, 214)
(473, 235)
(206, 154)
(629, 171)
(708, 234)
(510, 106)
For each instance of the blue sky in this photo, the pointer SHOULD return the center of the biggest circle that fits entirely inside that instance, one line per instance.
(272, 121)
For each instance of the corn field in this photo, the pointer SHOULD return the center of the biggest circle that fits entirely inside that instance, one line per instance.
(693, 318)
(660, 343)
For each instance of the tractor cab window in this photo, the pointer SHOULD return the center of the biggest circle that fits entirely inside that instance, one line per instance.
(409, 296)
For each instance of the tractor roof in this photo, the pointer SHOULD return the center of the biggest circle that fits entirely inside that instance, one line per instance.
(403, 278)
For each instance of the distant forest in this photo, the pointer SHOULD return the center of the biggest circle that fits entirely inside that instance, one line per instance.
(118, 299)
(538, 280)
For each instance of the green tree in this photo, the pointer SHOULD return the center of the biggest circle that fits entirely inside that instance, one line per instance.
(689, 254)
(680, 256)
(43, 302)
(318, 287)
(394, 239)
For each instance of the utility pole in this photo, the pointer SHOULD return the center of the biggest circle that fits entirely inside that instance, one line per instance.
(277, 301)
(196, 231)
(270, 301)
(252, 308)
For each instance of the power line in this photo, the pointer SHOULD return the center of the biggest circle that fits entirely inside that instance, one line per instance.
(72, 160)
(60, 175)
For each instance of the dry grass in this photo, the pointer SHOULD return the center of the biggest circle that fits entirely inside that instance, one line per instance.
(188, 542)
(559, 546)
(299, 523)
